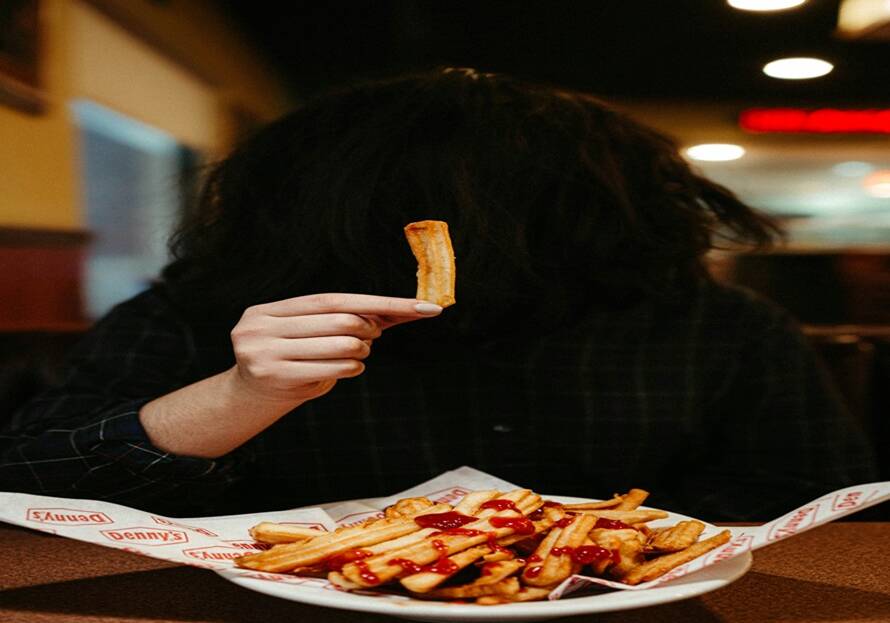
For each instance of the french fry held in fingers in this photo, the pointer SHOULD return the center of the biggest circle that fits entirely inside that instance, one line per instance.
(431, 245)
(492, 547)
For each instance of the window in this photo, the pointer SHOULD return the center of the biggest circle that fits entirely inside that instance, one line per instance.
(133, 181)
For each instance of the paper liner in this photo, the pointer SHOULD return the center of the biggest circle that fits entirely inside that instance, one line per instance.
(212, 542)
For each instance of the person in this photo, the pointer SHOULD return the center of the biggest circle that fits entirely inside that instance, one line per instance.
(282, 360)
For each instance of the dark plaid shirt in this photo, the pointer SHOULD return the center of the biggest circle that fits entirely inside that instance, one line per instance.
(713, 402)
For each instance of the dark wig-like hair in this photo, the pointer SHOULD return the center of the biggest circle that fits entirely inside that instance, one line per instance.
(556, 203)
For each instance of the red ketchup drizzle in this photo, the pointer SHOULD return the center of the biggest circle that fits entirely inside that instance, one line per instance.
(335, 563)
(493, 543)
(559, 551)
(587, 554)
(539, 514)
(534, 572)
(407, 565)
(443, 521)
(440, 547)
(443, 566)
(611, 524)
(520, 525)
(565, 521)
(489, 568)
(501, 505)
(459, 532)
(366, 574)
(534, 558)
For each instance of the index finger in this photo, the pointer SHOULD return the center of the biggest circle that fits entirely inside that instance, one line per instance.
(340, 302)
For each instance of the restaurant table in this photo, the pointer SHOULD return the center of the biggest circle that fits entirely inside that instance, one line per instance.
(839, 572)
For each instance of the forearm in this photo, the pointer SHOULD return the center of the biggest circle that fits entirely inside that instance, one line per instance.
(211, 417)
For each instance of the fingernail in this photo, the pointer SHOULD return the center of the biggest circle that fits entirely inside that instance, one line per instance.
(428, 308)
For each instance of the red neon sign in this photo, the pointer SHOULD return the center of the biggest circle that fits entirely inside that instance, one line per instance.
(819, 121)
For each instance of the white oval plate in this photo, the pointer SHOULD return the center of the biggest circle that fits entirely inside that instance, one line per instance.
(320, 593)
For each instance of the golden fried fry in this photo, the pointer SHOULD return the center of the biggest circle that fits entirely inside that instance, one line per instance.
(470, 503)
(336, 578)
(431, 246)
(615, 501)
(268, 532)
(426, 581)
(557, 564)
(659, 566)
(628, 517)
(289, 556)
(510, 586)
(493, 572)
(526, 593)
(677, 537)
(503, 538)
(632, 500)
(407, 506)
(430, 549)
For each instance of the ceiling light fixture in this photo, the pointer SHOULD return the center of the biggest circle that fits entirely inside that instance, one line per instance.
(797, 68)
(764, 5)
(715, 152)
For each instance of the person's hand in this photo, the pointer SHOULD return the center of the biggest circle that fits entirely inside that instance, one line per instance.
(296, 349)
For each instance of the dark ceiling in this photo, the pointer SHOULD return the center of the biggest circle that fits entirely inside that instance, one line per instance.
(699, 49)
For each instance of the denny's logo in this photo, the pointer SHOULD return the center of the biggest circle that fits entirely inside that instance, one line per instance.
(797, 521)
(214, 553)
(141, 535)
(67, 516)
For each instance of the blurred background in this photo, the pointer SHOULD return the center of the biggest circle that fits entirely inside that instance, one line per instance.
(108, 108)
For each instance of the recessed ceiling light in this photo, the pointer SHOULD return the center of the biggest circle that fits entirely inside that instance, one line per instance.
(878, 184)
(764, 5)
(715, 152)
(798, 68)
(852, 168)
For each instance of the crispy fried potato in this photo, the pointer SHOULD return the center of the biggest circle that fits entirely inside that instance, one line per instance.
(407, 506)
(526, 593)
(431, 549)
(659, 566)
(632, 500)
(628, 517)
(426, 581)
(431, 245)
(510, 586)
(521, 557)
(274, 533)
(557, 564)
(615, 501)
(289, 556)
(677, 537)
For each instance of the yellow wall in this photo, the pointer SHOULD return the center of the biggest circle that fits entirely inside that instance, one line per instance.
(86, 52)
(37, 180)
(112, 67)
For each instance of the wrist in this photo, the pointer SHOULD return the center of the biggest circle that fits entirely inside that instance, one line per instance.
(239, 390)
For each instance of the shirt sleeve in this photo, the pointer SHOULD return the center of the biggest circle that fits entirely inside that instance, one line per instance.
(83, 438)
(778, 434)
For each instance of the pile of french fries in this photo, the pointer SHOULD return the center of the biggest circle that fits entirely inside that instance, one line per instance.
(491, 548)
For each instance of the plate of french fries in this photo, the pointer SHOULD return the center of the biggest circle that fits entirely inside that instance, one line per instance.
(492, 555)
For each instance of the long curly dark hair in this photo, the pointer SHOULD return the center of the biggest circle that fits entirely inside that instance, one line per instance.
(556, 203)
